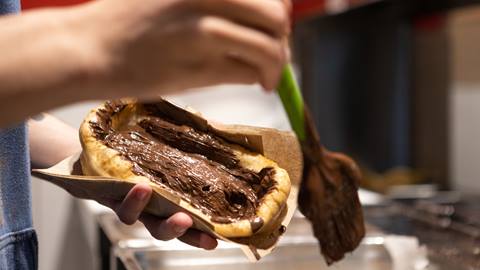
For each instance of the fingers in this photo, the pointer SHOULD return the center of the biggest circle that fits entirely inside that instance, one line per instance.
(271, 16)
(177, 226)
(233, 71)
(132, 206)
(249, 31)
(167, 229)
(198, 239)
(265, 53)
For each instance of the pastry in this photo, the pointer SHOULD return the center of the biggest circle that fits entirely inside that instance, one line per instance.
(239, 192)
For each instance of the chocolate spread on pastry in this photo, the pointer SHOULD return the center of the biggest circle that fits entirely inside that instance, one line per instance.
(196, 164)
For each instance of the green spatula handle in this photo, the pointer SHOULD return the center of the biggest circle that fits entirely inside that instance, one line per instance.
(292, 100)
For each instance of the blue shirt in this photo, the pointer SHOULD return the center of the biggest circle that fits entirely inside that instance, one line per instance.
(18, 242)
(9, 6)
(15, 210)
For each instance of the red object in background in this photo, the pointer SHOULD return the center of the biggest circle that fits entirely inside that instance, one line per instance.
(432, 22)
(301, 8)
(307, 8)
(28, 4)
(310, 8)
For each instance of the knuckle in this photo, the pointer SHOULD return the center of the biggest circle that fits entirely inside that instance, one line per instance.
(208, 25)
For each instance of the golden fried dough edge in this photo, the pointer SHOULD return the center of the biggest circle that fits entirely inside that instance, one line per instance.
(99, 160)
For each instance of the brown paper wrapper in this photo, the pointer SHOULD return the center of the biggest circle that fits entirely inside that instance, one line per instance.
(279, 146)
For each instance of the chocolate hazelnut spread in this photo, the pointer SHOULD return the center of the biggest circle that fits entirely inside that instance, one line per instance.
(195, 164)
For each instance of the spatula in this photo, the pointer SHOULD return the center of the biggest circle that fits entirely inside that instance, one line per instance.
(328, 194)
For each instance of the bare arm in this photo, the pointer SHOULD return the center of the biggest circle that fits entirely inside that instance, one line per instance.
(107, 49)
(51, 140)
(144, 49)
(45, 61)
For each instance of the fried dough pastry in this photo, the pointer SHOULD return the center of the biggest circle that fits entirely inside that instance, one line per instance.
(239, 192)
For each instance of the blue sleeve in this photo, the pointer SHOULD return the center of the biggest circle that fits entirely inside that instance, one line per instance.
(9, 6)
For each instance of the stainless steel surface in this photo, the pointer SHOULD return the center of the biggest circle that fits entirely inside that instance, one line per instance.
(298, 254)
(452, 241)
(297, 250)
(423, 246)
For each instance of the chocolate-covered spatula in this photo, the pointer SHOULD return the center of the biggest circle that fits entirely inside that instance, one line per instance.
(328, 193)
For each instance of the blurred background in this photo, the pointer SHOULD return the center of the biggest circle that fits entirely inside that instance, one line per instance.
(395, 84)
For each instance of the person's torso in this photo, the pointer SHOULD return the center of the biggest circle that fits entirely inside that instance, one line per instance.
(15, 210)
(18, 242)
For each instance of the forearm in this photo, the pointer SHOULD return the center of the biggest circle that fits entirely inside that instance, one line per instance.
(140, 49)
(51, 141)
(46, 62)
